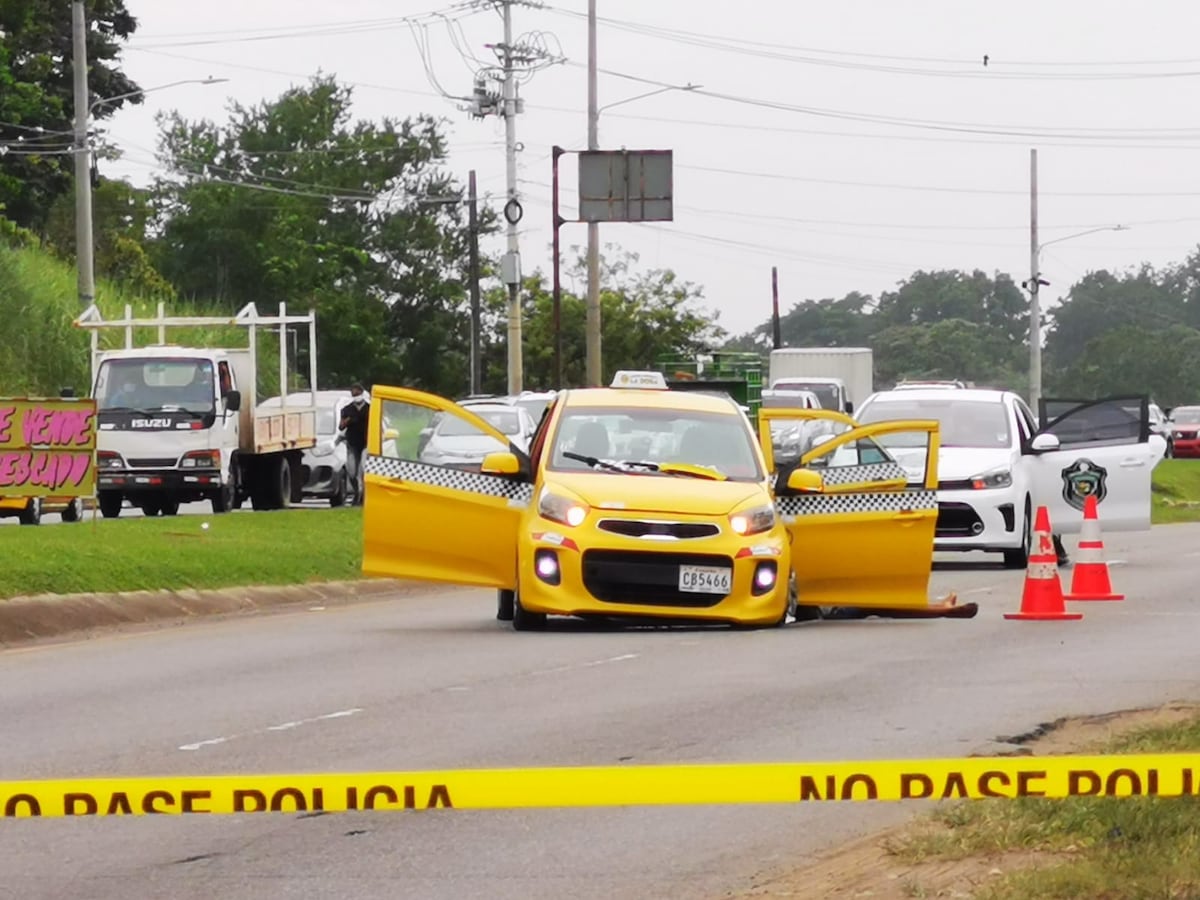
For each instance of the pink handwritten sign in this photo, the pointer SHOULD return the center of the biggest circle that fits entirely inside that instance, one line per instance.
(47, 448)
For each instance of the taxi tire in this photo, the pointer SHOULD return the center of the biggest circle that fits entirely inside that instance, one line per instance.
(522, 619)
(504, 605)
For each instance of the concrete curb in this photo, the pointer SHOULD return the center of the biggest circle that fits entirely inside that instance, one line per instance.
(27, 619)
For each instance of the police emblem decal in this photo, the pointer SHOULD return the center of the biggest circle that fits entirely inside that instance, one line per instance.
(1082, 479)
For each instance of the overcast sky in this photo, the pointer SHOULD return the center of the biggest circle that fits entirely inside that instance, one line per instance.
(856, 141)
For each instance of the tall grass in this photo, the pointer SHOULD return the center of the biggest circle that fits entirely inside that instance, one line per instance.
(42, 351)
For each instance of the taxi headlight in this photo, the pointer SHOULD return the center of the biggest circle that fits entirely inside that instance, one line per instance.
(995, 478)
(753, 521)
(561, 509)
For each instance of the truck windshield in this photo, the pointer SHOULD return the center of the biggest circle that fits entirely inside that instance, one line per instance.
(826, 393)
(156, 385)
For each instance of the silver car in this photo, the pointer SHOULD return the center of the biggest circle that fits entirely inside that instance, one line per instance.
(453, 442)
(323, 467)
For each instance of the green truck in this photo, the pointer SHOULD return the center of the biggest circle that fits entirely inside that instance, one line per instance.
(740, 375)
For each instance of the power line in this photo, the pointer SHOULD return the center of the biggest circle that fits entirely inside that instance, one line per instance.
(787, 52)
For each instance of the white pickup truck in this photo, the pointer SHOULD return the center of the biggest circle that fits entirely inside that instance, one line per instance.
(178, 424)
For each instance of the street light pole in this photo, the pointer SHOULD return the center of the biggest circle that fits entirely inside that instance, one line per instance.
(593, 326)
(1035, 312)
(83, 162)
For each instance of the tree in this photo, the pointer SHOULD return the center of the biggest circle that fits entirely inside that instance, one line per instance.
(1133, 359)
(1102, 301)
(927, 298)
(645, 316)
(292, 201)
(37, 104)
(121, 214)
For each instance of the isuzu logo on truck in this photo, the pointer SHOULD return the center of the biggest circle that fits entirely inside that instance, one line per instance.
(151, 423)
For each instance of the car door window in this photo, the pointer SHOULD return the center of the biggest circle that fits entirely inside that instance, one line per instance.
(418, 434)
(1097, 423)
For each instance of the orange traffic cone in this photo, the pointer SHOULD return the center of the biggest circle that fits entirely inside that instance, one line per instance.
(1090, 579)
(1043, 596)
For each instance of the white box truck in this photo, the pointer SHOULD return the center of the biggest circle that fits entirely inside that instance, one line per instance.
(841, 377)
(180, 424)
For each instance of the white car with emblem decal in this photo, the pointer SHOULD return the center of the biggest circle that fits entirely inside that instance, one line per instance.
(996, 467)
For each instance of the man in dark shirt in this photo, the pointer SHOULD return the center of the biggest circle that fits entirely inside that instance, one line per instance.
(354, 431)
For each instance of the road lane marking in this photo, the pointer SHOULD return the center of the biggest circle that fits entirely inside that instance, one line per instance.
(283, 726)
(586, 665)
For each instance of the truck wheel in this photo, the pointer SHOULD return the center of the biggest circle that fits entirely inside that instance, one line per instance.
(223, 500)
(170, 508)
(110, 504)
(151, 508)
(282, 485)
(31, 514)
(73, 511)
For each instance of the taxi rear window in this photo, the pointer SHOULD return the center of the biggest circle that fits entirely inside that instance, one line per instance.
(614, 434)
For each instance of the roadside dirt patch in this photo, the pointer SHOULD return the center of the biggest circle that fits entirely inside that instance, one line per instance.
(867, 869)
(25, 620)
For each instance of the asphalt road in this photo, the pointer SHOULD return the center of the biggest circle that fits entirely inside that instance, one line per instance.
(433, 681)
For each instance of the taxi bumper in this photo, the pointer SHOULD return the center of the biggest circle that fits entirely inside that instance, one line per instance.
(743, 581)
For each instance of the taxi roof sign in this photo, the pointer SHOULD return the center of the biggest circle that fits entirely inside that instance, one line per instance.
(646, 380)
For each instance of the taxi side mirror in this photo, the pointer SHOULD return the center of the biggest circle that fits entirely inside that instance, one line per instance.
(503, 463)
(806, 481)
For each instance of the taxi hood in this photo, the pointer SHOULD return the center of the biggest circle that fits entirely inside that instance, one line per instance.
(676, 494)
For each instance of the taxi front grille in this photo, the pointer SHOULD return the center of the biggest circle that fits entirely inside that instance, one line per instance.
(646, 577)
(647, 528)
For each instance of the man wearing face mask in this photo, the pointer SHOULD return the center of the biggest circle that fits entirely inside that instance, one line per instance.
(354, 432)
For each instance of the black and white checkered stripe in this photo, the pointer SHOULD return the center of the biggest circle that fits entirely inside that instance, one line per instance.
(858, 502)
(453, 479)
(888, 471)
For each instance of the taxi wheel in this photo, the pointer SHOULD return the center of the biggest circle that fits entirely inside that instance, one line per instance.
(504, 605)
(522, 619)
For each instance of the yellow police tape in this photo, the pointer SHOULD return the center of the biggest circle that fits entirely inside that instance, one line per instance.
(1162, 775)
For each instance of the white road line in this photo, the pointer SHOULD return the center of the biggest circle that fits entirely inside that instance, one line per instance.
(586, 665)
(284, 726)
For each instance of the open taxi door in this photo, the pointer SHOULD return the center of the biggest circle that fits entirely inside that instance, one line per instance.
(445, 490)
(1101, 447)
(862, 526)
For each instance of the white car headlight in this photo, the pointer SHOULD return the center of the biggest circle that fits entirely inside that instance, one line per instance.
(993, 478)
(753, 521)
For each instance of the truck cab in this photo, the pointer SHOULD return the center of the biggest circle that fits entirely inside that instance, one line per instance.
(178, 424)
(168, 428)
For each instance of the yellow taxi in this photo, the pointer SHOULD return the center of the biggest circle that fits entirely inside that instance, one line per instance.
(635, 501)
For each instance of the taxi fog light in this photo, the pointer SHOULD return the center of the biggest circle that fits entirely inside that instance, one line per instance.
(545, 564)
(753, 521)
(764, 577)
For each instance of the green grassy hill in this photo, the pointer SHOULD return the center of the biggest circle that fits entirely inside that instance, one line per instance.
(43, 352)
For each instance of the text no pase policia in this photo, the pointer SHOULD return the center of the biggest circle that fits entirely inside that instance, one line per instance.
(976, 778)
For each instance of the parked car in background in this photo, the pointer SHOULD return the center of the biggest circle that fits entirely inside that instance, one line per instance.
(451, 441)
(1185, 431)
(534, 402)
(323, 467)
(29, 510)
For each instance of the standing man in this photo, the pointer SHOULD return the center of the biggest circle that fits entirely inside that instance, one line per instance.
(354, 431)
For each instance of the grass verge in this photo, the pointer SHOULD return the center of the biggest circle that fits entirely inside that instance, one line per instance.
(1095, 848)
(250, 548)
(1176, 488)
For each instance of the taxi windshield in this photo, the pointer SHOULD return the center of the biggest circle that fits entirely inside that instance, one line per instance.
(655, 438)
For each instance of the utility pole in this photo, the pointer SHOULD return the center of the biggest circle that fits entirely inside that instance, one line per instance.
(776, 337)
(593, 326)
(473, 227)
(1035, 313)
(83, 162)
(512, 261)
